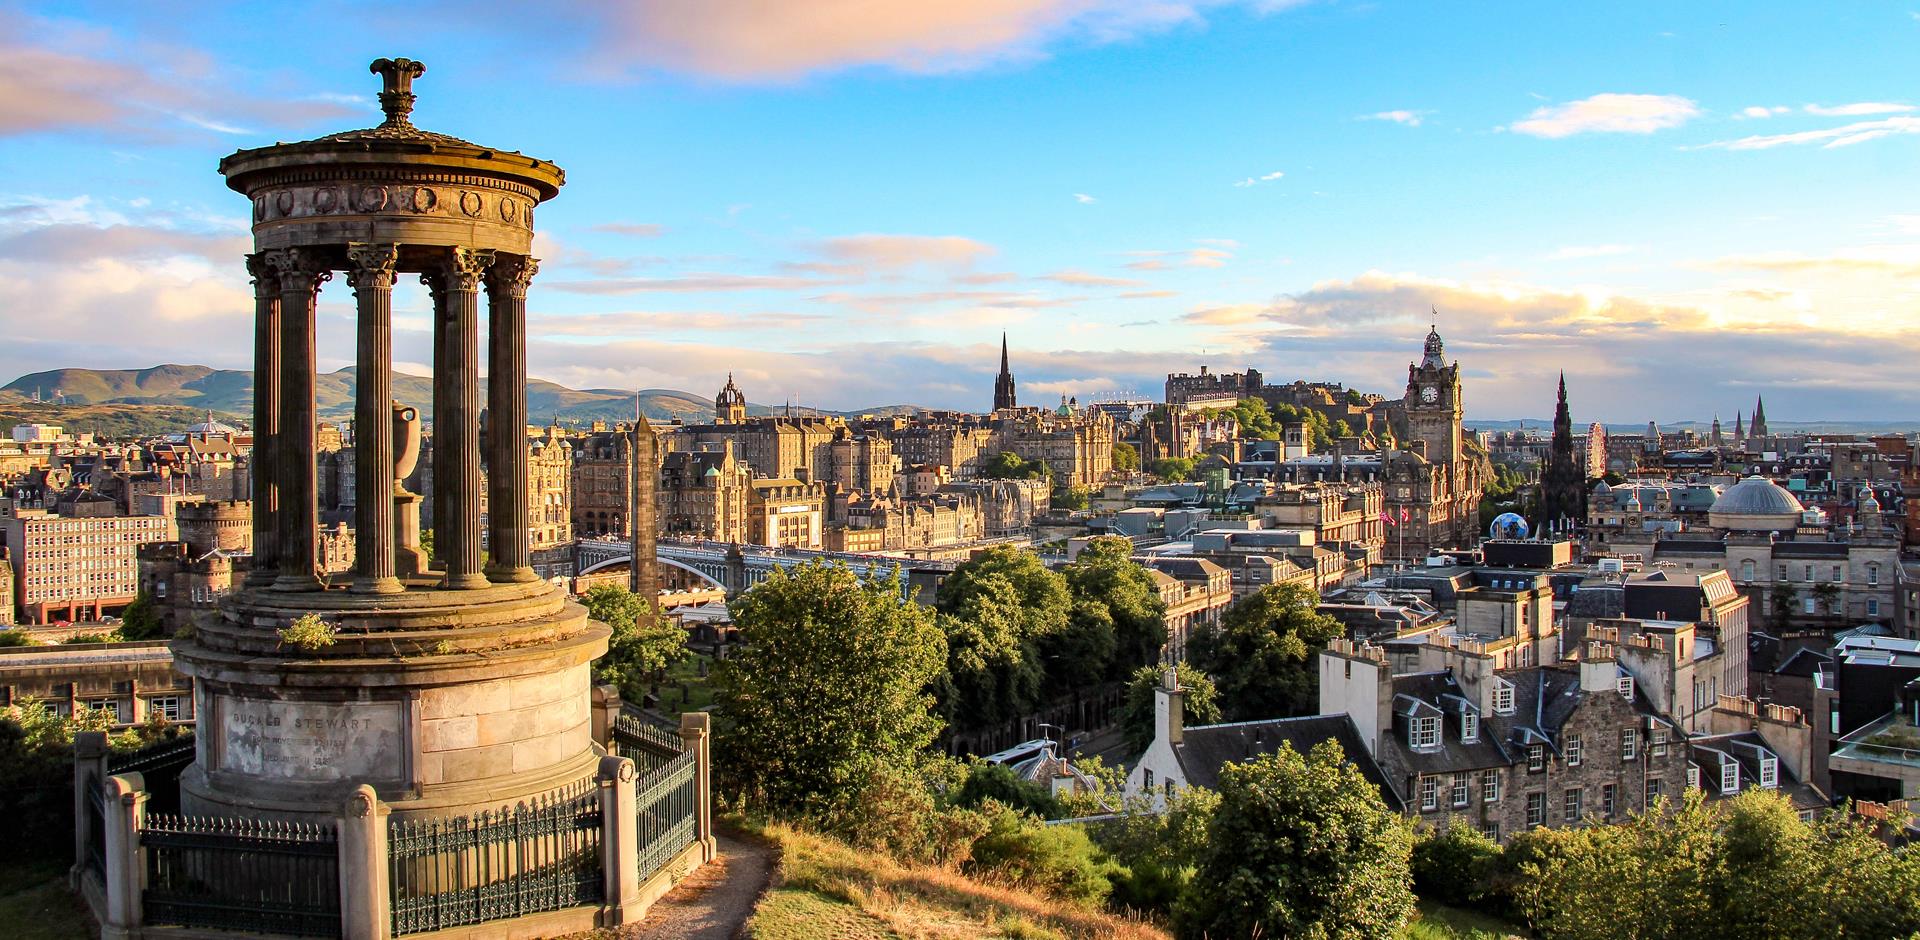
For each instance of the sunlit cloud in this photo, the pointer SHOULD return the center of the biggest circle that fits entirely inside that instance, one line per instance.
(1829, 138)
(1608, 114)
(1408, 118)
(1859, 109)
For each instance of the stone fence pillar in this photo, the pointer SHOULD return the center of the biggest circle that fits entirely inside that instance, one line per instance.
(89, 772)
(126, 810)
(620, 841)
(694, 728)
(606, 710)
(366, 910)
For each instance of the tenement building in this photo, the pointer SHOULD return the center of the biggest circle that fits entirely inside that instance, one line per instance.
(703, 495)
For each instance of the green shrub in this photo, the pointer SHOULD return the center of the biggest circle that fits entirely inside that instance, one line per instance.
(1055, 860)
(309, 634)
(996, 782)
(1454, 867)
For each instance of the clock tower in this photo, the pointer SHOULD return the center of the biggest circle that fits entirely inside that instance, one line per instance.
(1433, 402)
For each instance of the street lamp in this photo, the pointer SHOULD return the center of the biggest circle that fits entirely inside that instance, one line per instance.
(1063, 737)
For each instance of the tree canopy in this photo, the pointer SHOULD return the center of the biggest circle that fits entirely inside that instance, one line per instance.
(1173, 469)
(1262, 653)
(1299, 846)
(643, 642)
(1110, 588)
(1007, 465)
(1125, 457)
(827, 692)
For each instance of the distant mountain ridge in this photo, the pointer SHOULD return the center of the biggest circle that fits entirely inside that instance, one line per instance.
(230, 391)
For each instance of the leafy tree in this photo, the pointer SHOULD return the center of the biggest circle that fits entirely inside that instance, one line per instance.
(1455, 866)
(1000, 612)
(1136, 714)
(141, 619)
(643, 642)
(1126, 458)
(1158, 852)
(1300, 846)
(1108, 586)
(1785, 598)
(1262, 653)
(1007, 465)
(999, 783)
(1072, 498)
(827, 692)
(1173, 469)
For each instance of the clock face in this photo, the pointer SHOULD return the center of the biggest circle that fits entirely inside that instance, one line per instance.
(1429, 394)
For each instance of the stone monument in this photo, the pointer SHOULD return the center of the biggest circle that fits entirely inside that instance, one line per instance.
(446, 684)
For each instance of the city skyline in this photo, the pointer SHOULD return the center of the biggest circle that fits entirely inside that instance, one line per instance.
(853, 220)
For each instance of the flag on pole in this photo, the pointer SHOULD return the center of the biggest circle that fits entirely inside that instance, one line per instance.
(1403, 514)
(1386, 518)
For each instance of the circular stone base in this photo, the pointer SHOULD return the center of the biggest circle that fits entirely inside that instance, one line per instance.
(444, 701)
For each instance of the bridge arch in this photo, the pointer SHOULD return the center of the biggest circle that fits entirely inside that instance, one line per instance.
(606, 563)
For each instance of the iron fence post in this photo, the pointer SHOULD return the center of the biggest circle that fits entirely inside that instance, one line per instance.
(126, 809)
(365, 906)
(89, 772)
(694, 728)
(619, 841)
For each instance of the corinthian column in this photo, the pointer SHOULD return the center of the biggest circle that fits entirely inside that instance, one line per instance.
(301, 272)
(371, 274)
(266, 421)
(507, 535)
(456, 428)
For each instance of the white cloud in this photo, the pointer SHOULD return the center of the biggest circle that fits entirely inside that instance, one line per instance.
(1257, 180)
(1083, 198)
(1608, 114)
(1829, 138)
(1859, 109)
(905, 251)
(1760, 111)
(1085, 279)
(1409, 118)
(1204, 257)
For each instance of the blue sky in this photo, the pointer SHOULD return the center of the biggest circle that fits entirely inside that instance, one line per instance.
(845, 201)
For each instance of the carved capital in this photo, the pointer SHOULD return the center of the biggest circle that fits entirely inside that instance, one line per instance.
(461, 270)
(298, 269)
(266, 284)
(373, 265)
(510, 276)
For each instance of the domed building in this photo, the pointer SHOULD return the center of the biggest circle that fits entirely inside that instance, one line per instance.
(1756, 504)
(730, 406)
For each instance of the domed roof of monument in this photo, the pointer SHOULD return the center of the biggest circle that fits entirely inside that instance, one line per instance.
(394, 140)
(1757, 496)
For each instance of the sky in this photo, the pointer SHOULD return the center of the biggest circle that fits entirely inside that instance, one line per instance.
(846, 202)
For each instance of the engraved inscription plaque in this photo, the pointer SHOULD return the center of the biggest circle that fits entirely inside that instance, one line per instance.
(305, 741)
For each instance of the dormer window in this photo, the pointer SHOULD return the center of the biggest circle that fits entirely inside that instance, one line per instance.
(1769, 772)
(1729, 777)
(1424, 733)
(1502, 696)
(1469, 727)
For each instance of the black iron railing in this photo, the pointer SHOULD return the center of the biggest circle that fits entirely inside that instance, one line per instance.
(664, 798)
(648, 740)
(159, 767)
(252, 875)
(541, 855)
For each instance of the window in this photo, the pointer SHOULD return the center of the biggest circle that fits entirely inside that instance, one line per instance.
(1429, 794)
(1573, 752)
(1746, 570)
(1489, 786)
(1873, 574)
(1147, 778)
(1652, 791)
(1624, 685)
(1426, 733)
(1469, 727)
(1629, 744)
(1807, 571)
(1783, 572)
(1168, 786)
(1491, 831)
(1609, 804)
(1873, 607)
(1570, 805)
(1536, 758)
(1693, 776)
(1502, 696)
(1657, 745)
(1769, 772)
(167, 706)
(1836, 573)
(1729, 777)
(1806, 604)
(1461, 796)
(1536, 809)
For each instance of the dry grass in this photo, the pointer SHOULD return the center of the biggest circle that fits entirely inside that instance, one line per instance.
(826, 889)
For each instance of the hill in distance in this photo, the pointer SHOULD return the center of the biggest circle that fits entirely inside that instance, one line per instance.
(230, 392)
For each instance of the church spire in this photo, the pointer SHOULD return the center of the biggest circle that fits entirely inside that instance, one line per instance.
(1003, 390)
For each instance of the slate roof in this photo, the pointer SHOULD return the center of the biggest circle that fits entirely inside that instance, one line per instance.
(1744, 748)
(1204, 749)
